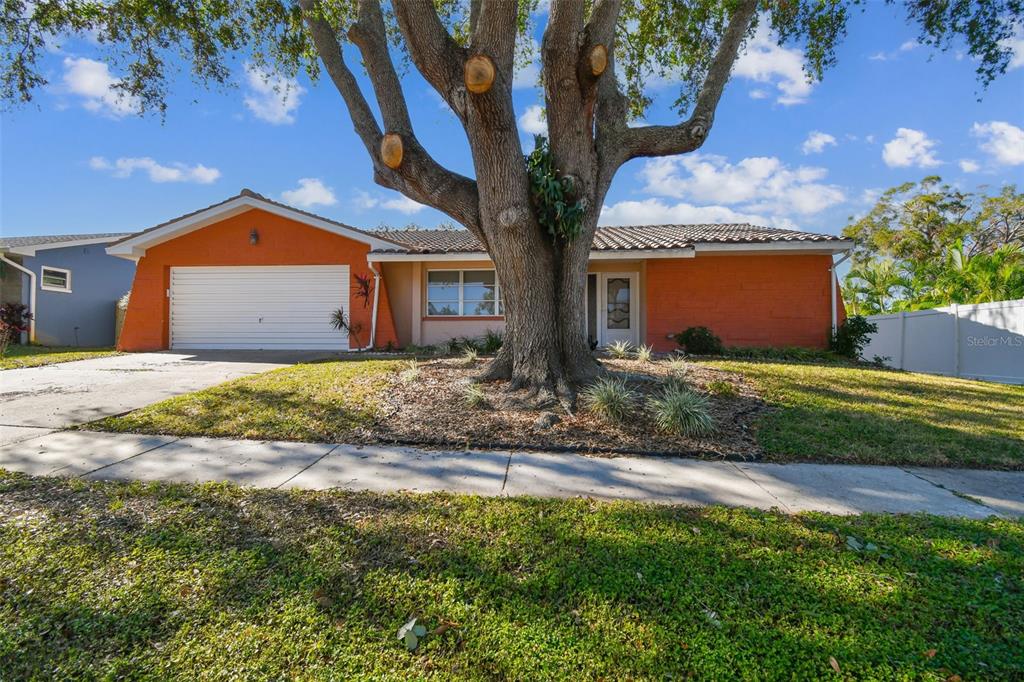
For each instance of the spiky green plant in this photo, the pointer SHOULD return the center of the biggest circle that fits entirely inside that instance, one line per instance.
(469, 357)
(620, 349)
(474, 396)
(411, 372)
(644, 353)
(678, 366)
(609, 398)
(678, 410)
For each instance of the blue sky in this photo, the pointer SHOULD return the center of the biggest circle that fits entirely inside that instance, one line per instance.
(782, 152)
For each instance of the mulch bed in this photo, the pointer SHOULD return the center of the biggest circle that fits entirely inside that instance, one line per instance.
(431, 410)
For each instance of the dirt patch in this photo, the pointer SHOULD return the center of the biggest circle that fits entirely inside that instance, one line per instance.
(430, 408)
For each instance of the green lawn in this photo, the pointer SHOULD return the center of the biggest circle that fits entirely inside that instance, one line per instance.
(155, 581)
(836, 413)
(320, 402)
(35, 356)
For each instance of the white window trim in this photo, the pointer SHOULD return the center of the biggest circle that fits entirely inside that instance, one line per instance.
(498, 308)
(48, 287)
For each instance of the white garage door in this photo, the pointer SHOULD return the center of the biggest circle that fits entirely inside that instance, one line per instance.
(264, 307)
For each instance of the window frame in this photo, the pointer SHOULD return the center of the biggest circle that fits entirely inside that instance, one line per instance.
(498, 307)
(49, 287)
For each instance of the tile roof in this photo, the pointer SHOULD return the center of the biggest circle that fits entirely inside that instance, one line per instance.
(625, 238)
(246, 192)
(54, 239)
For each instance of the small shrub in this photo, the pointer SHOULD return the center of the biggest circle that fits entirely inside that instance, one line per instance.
(723, 388)
(620, 349)
(469, 357)
(14, 319)
(851, 336)
(474, 396)
(786, 353)
(411, 372)
(678, 366)
(643, 353)
(680, 411)
(413, 349)
(491, 342)
(611, 399)
(700, 341)
(341, 321)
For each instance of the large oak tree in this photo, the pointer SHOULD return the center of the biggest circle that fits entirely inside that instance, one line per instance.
(536, 223)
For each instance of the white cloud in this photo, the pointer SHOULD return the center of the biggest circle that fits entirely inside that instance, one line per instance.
(1002, 140)
(758, 184)
(764, 61)
(272, 97)
(909, 45)
(125, 167)
(527, 72)
(870, 195)
(879, 57)
(1016, 44)
(655, 211)
(91, 80)
(310, 192)
(816, 142)
(532, 121)
(402, 203)
(969, 166)
(758, 93)
(910, 148)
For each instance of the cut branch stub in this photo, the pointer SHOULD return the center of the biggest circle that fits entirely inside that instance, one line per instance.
(391, 150)
(598, 59)
(479, 74)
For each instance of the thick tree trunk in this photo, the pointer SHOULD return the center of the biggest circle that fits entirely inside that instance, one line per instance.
(543, 290)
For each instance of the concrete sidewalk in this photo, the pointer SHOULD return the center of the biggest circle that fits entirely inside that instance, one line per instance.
(791, 487)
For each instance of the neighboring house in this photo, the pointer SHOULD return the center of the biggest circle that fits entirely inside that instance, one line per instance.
(69, 283)
(253, 273)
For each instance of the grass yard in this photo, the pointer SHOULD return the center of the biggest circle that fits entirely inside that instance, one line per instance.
(36, 356)
(836, 413)
(153, 581)
(318, 402)
(778, 412)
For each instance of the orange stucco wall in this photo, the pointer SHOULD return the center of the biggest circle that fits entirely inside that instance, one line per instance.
(763, 300)
(281, 242)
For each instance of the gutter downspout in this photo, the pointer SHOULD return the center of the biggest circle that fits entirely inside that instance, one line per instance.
(373, 313)
(835, 311)
(31, 295)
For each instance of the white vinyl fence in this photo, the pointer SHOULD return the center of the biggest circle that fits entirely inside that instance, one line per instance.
(983, 341)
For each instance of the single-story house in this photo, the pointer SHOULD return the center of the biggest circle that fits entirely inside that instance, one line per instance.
(69, 283)
(250, 272)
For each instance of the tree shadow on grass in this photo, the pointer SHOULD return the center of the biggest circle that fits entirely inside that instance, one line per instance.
(205, 581)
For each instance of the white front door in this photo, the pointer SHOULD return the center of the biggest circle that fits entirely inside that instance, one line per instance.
(258, 307)
(618, 309)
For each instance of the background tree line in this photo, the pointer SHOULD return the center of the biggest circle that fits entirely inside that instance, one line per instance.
(928, 244)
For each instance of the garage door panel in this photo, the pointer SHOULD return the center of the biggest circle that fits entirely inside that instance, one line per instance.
(256, 307)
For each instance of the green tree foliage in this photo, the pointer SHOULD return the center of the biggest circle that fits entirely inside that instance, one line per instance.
(927, 244)
(150, 42)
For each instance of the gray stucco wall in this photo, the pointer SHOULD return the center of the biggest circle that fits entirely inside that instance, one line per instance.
(84, 317)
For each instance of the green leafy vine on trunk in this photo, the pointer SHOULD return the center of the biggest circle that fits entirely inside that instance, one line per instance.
(553, 195)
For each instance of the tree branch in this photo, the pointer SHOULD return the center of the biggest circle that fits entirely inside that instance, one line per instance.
(419, 176)
(494, 34)
(434, 52)
(690, 134)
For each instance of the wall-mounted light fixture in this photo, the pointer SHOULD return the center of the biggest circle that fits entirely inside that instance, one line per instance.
(254, 236)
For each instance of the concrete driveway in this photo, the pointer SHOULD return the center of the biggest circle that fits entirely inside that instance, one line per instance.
(37, 400)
